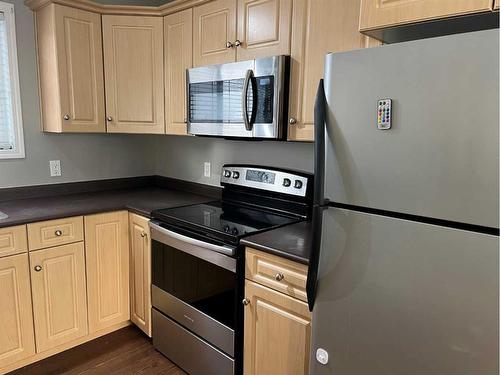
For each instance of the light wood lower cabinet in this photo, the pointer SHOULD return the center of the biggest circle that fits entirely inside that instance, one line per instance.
(321, 26)
(107, 256)
(140, 273)
(376, 14)
(133, 74)
(59, 295)
(497, 4)
(17, 338)
(13, 240)
(277, 333)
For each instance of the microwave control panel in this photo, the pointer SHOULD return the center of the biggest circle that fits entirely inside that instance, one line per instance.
(266, 179)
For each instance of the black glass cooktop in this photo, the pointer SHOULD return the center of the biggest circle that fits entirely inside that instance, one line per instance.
(225, 219)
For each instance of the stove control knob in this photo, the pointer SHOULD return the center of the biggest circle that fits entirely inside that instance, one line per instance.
(287, 182)
(226, 228)
(227, 173)
(234, 231)
(236, 175)
(298, 184)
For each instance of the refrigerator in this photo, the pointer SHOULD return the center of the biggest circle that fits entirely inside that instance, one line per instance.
(403, 277)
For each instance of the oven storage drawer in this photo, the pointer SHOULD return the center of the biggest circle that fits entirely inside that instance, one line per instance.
(194, 320)
(180, 345)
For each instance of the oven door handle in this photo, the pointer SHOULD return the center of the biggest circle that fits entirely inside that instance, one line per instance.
(216, 254)
(244, 100)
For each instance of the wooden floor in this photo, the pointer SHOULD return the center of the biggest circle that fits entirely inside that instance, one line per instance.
(127, 351)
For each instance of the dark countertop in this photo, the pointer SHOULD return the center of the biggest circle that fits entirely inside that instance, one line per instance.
(291, 241)
(140, 200)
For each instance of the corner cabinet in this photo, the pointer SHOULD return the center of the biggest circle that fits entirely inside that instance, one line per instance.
(70, 69)
(133, 67)
(178, 35)
(59, 295)
(378, 14)
(107, 258)
(322, 26)
(17, 338)
(140, 273)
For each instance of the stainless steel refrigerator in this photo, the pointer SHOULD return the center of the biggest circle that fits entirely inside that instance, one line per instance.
(404, 274)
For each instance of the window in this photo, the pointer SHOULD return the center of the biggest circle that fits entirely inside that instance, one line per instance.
(11, 131)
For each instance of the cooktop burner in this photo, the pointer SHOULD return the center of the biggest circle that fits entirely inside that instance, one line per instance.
(226, 219)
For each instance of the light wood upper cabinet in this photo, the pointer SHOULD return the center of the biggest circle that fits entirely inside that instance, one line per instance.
(214, 27)
(70, 67)
(107, 256)
(17, 338)
(277, 333)
(140, 272)
(178, 33)
(13, 240)
(377, 14)
(133, 66)
(59, 295)
(321, 26)
(264, 28)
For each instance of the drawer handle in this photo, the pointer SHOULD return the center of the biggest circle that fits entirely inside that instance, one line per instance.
(245, 302)
(58, 233)
(143, 234)
(279, 276)
(38, 268)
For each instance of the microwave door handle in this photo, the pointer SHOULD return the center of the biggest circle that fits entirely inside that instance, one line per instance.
(244, 100)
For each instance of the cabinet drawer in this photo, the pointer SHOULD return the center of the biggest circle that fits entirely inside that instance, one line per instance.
(55, 232)
(277, 273)
(13, 241)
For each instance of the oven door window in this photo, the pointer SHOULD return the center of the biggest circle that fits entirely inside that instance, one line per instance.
(207, 287)
(220, 101)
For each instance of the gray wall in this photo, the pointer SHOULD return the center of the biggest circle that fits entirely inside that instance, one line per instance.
(90, 157)
(83, 157)
(183, 157)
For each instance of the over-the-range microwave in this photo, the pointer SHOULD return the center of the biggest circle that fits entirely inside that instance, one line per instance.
(245, 99)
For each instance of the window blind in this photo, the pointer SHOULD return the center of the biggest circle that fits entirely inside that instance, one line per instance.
(7, 137)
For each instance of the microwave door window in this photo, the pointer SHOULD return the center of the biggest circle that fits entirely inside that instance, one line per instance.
(221, 101)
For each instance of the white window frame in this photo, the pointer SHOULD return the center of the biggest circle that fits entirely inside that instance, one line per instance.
(18, 151)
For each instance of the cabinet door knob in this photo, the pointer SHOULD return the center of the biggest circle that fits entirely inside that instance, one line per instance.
(245, 302)
(229, 44)
(38, 268)
(66, 117)
(237, 43)
(185, 120)
(279, 276)
(292, 121)
(143, 234)
(58, 233)
(109, 118)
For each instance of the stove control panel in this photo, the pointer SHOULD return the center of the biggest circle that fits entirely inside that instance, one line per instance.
(276, 180)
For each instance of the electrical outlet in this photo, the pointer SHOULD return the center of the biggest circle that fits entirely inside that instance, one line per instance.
(206, 169)
(55, 168)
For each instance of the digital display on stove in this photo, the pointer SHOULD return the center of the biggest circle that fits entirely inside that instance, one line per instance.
(260, 176)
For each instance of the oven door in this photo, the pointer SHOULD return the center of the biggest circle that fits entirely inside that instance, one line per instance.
(241, 99)
(195, 284)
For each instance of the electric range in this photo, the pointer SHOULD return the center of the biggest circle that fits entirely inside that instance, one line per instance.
(198, 265)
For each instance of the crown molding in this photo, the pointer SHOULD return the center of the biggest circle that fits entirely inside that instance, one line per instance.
(91, 6)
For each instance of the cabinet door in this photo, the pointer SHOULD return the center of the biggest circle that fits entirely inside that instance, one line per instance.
(277, 333)
(178, 32)
(107, 255)
(133, 67)
(214, 27)
(377, 14)
(322, 26)
(59, 295)
(264, 28)
(81, 81)
(140, 273)
(17, 338)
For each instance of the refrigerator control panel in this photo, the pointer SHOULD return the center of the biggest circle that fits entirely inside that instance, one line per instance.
(384, 114)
